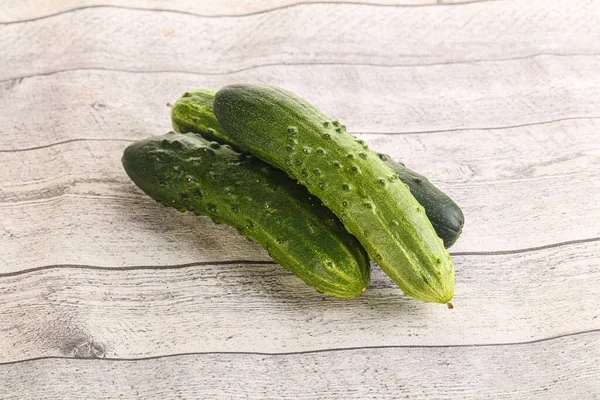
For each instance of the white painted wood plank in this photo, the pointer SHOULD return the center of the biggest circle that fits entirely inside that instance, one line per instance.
(134, 313)
(564, 368)
(366, 99)
(74, 204)
(15, 10)
(112, 231)
(563, 148)
(336, 33)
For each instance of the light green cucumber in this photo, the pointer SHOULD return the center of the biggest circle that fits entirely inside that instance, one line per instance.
(375, 206)
(193, 113)
(190, 173)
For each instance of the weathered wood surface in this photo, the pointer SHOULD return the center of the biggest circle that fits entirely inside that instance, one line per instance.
(495, 101)
(81, 187)
(227, 306)
(376, 99)
(146, 40)
(562, 368)
(27, 10)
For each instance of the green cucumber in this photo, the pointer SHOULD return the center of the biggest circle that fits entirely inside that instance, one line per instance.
(190, 173)
(445, 215)
(193, 113)
(374, 205)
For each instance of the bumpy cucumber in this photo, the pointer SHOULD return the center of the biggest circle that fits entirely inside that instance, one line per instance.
(193, 113)
(375, 206)
(189, 173)
(445, 215)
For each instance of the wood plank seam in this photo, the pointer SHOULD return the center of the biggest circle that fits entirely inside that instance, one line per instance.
(491, 128)
(317, 351)
(19, 79)
(270, 10)
(269, 262)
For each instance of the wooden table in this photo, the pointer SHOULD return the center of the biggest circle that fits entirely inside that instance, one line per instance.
(105, 294)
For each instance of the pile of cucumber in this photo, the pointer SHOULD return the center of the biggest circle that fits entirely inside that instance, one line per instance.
(271, 165)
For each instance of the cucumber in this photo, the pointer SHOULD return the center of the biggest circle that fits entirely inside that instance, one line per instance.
(190, 173)
(374, 205)
(445, 215)
(193, 113)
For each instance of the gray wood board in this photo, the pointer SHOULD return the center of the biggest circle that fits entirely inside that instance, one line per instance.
(393, 100)
(564, 368)
(76, 196)
(258, 306)
(146, 40)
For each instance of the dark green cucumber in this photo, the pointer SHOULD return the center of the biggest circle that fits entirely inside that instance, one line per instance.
(193, 113)
(445, 215)
(375, 206)
(189, 173)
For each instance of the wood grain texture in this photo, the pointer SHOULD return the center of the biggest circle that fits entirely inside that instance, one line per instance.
(15, 11)
(556, 149)
(310, 33)
(139, 312)
(76, 198)
(106, 294)
(563, 368)
(113, 232)
(375, 99)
